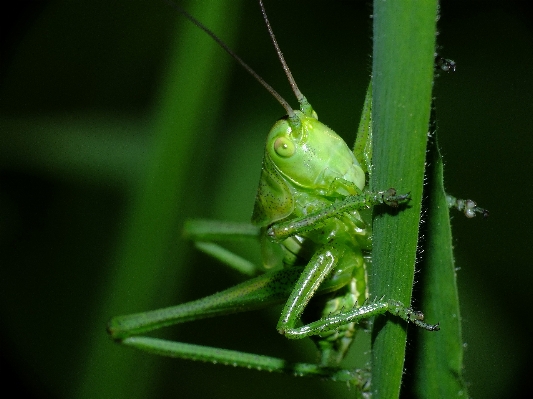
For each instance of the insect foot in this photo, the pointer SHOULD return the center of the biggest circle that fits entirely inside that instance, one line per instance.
(444, 64)
(359, 378)
(392, 199)
(411, 316)
(468, 207)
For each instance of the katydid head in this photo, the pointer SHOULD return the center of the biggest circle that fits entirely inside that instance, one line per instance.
(312, 155)
(302, 153)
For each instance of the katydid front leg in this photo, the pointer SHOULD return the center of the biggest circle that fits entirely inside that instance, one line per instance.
(335, 262)
(282, 230)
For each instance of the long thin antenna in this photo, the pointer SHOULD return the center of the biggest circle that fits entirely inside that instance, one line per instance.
(304, 104)
(281, 100)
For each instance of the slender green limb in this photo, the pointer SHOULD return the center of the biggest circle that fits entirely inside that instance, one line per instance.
(320, 266)
(257, 293)
(214, 230)
(263, 291)
(260, 292)
(236, 262)
(242, 359)
(280, 231)
(358, 314)
(204, 231)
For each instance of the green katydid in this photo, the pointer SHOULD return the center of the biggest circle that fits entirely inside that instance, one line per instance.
(314, 240)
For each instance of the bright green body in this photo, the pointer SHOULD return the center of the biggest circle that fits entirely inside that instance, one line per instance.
(315, 249)
(305, 169)
(315, 243)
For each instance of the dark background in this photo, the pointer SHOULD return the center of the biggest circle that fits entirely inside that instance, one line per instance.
(80, 83)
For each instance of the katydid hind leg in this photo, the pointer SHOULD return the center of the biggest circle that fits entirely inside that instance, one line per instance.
(233, 358)
(256, 293)
(263, 291)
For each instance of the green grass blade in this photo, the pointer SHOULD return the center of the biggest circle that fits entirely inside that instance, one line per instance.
(404, 43)
(439, 357)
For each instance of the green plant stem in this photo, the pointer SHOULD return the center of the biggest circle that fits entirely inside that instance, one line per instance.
(404, 43)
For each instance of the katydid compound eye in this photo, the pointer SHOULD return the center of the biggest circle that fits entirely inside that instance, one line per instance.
(284, 147)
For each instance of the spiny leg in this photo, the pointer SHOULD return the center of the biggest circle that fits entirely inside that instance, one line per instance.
(320, 266)
(246, 360)
(358, 314)
(280, 231)
(256, 293)
(260, 292)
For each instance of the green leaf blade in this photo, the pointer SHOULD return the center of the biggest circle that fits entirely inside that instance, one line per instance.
(439, 358)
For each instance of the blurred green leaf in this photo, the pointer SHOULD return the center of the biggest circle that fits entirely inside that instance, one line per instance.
(141, 276)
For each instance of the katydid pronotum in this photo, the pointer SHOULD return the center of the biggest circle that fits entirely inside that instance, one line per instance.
(315, 244)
